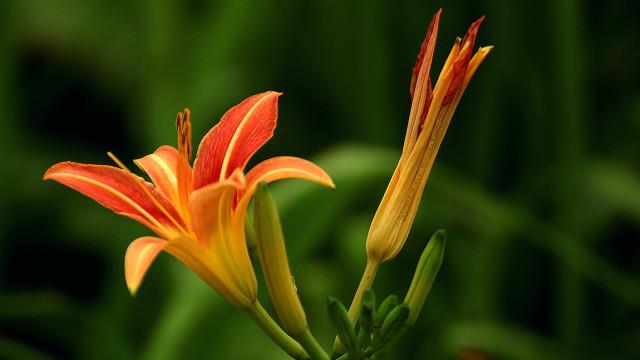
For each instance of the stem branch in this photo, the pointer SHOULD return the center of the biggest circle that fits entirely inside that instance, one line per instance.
(354, 310)
(365, 283)
(310, 344)
(273, 330)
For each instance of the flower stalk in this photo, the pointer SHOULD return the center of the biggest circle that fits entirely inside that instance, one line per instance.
(365, 284)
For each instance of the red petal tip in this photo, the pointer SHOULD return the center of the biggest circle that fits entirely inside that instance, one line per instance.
(54, 168)
(431, 30)
(230, 144)
(473, 32)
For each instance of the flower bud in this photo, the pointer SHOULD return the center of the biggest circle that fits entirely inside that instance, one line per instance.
(392, 326)
(275, 266)
(384, 309)
(340, 318)
(431, 112)
(425, 274)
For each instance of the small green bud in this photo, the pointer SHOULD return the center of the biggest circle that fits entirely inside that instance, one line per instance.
(367, 313)
(368, 310)
(425, 274)
(340, 319)
(383, 310)
(391, 327)
(275, 266)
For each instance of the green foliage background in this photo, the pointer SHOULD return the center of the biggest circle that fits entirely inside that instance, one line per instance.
(537, 181)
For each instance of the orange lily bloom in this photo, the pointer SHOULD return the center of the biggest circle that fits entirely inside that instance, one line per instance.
(198, 213)
(431, 113)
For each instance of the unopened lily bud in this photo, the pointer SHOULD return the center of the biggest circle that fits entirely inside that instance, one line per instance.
(275, 266)
(432, 109)
(425, 275)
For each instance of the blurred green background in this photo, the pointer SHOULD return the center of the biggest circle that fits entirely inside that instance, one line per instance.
(537, 182)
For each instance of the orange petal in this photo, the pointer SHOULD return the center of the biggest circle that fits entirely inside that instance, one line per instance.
(139, 256)
(161, 168)
(284, 167)
(238, 135)
(119, 191)
(208, 265)
(170, 172)
(211, 211)
(214, 223)
(183, 177)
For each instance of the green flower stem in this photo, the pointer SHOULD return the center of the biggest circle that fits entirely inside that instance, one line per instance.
(368, 277)
(271, 328)
(310, 344)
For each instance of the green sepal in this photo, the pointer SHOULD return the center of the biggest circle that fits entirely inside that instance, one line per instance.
(391, 327)
(340, 319)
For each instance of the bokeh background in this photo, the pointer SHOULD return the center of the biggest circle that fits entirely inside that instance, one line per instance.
(537, 182)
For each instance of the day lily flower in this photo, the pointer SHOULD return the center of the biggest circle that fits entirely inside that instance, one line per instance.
(197, 213)
(431, 113)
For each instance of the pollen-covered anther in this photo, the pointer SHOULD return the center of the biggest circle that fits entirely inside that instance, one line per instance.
(183, 125)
